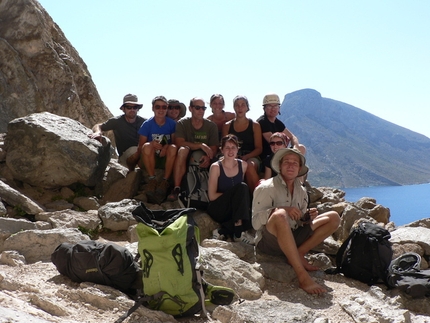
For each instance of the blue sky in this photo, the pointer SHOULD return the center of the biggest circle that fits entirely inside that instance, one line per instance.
(374, 55)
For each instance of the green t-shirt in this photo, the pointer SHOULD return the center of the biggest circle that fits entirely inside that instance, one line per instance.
(207, 134)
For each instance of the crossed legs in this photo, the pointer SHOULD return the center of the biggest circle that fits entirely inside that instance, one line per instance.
(323, 225)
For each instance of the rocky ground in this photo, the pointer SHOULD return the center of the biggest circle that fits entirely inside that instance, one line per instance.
(38, 293)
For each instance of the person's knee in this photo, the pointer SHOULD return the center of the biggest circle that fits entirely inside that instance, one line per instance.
(334, 219)
(279, 217)
(172, 150)
(182, 155)
(147, 148)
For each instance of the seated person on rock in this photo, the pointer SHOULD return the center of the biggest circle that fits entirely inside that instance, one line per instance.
(193, 133)
(219, 116)
(282, 223)
(270, 124)
(176, 110)
(249, 134)
(125, 129)
(229, 196)
(157, 135)
(277, 141)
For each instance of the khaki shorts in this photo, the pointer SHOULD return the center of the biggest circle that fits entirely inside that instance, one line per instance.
(269, 243)
(123, 159)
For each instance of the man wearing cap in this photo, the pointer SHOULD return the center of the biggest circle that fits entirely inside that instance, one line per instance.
(283, 223)
(270, 124)
(157, 135)
(194, 133)
(176, 110)
(125, 129)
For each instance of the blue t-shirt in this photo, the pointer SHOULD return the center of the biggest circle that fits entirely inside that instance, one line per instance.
(151, 130)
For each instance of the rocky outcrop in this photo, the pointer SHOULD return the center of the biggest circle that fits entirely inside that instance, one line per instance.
(40, 70)
(49, 151)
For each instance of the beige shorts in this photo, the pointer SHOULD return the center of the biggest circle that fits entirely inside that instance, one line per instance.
(123, 159)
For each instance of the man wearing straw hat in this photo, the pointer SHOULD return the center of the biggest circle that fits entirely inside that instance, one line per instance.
(284, 224)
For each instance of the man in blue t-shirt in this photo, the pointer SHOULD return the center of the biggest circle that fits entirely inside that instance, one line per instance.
(125, 128)
(157, 150)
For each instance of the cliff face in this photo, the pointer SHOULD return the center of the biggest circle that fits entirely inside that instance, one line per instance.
(40, 70)
(348, 147)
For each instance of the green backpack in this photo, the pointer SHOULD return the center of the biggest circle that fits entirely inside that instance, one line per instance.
(169, 250)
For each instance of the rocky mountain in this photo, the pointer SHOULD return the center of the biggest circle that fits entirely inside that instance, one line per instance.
(40, 70)
(348, 147)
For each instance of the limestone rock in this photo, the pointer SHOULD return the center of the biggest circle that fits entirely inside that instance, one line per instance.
(416, 235)
(49, 151)
(375, 307)
(117, 216)
(15, 198)
(71, 219)
(40, 70)
(125, 188)
(38, 245)
(86, 203)
(222, 267)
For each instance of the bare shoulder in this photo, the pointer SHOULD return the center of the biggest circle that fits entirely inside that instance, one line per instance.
(230, 115)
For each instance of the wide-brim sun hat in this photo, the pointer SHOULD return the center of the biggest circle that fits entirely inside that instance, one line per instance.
(131, 99)
(271, 98)
(183, 109)
(277, 157)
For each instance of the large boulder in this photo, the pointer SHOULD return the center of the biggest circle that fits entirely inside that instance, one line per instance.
(40, 70)
(50, 151)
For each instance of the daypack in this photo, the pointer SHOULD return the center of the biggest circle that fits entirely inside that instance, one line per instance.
(194, 188)
(404, 273)
(169, 251)
(100, 263)
(366, 254)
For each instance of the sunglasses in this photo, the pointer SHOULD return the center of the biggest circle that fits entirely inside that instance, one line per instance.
(134, 107)
(158, 107)
(174, 107)
(277, 143)
(198, 107)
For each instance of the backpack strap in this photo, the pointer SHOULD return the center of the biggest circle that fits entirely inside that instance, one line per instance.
(139, 302)
(341, 251)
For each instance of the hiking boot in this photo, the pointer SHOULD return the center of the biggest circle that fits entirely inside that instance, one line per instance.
(245, 237)
(173, 196)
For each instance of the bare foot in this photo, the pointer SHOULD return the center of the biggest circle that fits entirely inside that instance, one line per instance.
(311, 287)
(308, 266)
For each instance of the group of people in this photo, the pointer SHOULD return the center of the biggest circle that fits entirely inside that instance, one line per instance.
(236, 150)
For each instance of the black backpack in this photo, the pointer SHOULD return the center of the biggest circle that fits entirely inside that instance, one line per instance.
(366, 254)
(101, 263)
(194, 188)
(404, 273)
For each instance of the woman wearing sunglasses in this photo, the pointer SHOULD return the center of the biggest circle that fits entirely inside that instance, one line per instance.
(277, 141)
(176, 110)
(229, 196)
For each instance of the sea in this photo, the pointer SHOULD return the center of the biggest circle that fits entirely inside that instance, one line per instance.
(407, 203)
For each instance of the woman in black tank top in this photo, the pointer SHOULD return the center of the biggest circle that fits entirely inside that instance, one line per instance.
(229, 196)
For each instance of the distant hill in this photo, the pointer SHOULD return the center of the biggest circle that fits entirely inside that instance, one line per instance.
(348, 147)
